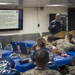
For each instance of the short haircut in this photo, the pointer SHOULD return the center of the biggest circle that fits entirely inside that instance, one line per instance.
(69, 36)
(41, 42)
(58, 14)
(42, 57)
(50, 38)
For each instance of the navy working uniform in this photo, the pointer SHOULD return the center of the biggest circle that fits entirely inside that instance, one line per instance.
(50, 54)
(59, 26)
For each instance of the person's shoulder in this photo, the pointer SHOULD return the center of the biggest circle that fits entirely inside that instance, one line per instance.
(49, 49)
(49, 45)
(54, 72)
(59, 40)
(30, 72)
(53, 21)
(45, 72)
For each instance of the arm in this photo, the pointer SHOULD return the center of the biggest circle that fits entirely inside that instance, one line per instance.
(31, 61)
(32, 57)
(63, 26)
(51, 26)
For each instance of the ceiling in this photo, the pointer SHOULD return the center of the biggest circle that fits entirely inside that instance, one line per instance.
(38, 3)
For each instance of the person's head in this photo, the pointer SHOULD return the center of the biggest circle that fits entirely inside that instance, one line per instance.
(41, 42)
(42, 57)
(69, 36)
(50, 38)
(58, 17)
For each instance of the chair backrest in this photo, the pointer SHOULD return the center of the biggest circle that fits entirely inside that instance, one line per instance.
(11, 72)
(8, 47)
(0, 45)
(53, 66)
(23, 48)
(14, 45)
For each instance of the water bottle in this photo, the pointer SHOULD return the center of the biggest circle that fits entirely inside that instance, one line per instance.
(54, 50)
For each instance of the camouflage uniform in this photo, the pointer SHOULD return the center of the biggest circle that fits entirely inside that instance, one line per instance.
(49, 45)
(72, 70)
(41, 71)
(63, 45)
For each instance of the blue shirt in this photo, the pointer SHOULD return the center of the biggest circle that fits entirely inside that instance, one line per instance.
(59, 26)
(34, 53)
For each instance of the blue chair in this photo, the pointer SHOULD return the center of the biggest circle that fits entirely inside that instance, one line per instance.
(14, 45)
(53, 66)
(10, 72)
(8, 47)
(23, 48)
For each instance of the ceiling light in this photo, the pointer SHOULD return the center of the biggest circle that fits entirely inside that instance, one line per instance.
(55, 5)
(4, 3)
(7, 3)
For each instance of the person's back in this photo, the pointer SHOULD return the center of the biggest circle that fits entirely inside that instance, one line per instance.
(39, 71)
(41, 58)
(63, 45)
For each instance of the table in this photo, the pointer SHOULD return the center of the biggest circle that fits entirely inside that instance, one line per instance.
(23, 67)
(5, 53)
(30, 43)
(71, 53)
(60, 61)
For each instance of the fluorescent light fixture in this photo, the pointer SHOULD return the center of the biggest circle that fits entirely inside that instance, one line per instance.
(4, 3)
(56, 5)
(7, 3)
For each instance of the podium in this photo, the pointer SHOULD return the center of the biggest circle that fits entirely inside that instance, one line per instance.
(61, 35)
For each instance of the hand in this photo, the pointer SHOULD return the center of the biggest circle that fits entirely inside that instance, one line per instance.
(64, 55)
(53, 26)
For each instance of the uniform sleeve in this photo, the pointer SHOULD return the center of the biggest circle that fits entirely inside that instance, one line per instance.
(50, 26)
(70, 46)
(60, 46)
(63, 26)
(32, 56)
(60, 49)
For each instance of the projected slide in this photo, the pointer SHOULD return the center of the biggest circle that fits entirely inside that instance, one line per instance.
(9, 19)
